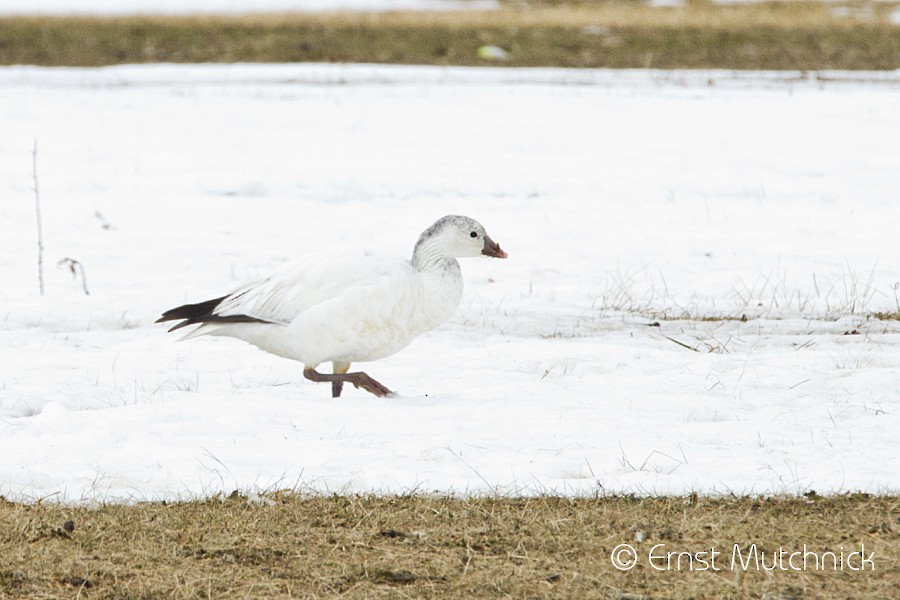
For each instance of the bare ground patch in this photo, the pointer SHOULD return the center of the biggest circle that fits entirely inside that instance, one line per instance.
(782, 35)
(416, 546)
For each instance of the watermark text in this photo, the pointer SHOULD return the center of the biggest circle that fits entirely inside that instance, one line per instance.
(662, 557)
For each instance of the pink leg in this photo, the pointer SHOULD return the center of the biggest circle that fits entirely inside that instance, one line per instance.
(358, 379)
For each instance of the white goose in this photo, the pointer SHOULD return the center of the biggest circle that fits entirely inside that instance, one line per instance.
(346, 308)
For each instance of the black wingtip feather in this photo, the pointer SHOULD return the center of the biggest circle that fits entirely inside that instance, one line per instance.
(192, 312)
(203, 312)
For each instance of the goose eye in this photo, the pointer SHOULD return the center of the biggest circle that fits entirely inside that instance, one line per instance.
(473, 234)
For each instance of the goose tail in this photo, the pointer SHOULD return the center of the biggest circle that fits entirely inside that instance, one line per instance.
(189, 314)
(203, 313)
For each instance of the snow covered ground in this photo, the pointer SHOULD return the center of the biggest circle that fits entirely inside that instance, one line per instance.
(624, 199)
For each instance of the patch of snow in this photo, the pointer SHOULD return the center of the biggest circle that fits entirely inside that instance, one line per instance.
(863, 14)
(492, 53)
(666, 3)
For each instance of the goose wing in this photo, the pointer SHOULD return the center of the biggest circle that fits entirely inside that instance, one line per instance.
(312, 281)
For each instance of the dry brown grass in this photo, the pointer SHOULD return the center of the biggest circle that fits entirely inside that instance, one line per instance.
(785, 35)
(420, 547)
(785, 15)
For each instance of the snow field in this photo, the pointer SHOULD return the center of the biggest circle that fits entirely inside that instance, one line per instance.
(624, 199)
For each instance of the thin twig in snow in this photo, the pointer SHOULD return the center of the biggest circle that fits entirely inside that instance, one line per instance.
(682, 344)
(75, 267)
(37, 209)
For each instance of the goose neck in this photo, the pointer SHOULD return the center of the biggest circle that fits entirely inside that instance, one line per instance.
(429, 255)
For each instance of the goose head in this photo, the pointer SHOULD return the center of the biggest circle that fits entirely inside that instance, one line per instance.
(453, 237)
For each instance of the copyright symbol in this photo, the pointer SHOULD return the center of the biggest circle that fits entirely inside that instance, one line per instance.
(623, 557)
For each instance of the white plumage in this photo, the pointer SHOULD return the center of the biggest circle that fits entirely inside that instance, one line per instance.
(347, 307)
